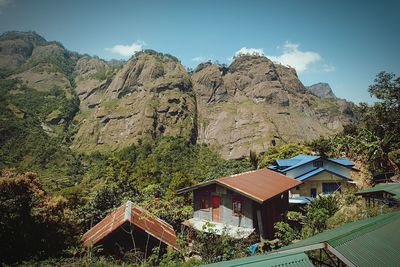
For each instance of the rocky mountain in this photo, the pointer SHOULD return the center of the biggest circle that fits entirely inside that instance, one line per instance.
(322, 90)
(250, 105)
(151, 95)
(255, 103)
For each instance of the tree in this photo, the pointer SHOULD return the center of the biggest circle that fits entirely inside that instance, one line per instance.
(32, 222)
(317, 213)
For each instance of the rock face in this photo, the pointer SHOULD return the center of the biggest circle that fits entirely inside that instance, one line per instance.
(150, 96)
(250, 105)
(255, 103)
(322, 90)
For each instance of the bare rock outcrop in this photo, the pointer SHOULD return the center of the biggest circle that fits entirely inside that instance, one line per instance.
(150, 96)
(322, 90)
(254, 104)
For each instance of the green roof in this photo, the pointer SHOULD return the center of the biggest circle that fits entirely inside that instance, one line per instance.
(369, 242)
(391, 188)
(284, 259)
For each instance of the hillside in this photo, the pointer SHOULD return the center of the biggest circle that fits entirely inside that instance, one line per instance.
(250, 105)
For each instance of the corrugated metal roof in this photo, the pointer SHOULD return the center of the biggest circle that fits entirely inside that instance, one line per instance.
(139, 217)
(287, 260)
(343, 161)
(317, 171)
(391, 188)
(310, 174)
(287, 162)
(302, 159)
(369, 242)
(259, 185)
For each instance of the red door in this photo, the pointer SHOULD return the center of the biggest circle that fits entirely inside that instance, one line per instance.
(216, 202)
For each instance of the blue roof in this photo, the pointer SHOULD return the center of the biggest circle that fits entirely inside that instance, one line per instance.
(302, 159)
(318, 171)
(310, 174)
(287, 162)
(343, 161)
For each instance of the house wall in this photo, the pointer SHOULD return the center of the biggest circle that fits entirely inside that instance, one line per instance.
(226, 210)
(273, 211)
(317, 181)
(341, 170)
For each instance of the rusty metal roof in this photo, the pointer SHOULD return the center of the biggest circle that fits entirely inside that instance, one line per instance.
(259, 185)
(128, 213)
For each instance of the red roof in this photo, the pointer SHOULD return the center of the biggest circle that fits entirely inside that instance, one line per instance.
(141, 218)
(259, 185)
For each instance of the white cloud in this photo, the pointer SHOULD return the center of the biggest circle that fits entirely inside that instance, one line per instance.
(201, 59)
(3, 5)
(127, 50)
(294, 57)
(328, 68)
(250, 51)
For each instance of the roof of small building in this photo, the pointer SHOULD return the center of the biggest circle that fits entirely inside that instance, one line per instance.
(317, 171)
(289, 260)
(259, 185)
(299, 160)
(369, 242)
(128, 213)
(391, 188)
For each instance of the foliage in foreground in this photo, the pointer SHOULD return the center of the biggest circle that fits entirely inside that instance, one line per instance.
(32, 222)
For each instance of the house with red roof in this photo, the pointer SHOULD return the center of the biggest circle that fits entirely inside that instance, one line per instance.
(130, 227)
(241, 204)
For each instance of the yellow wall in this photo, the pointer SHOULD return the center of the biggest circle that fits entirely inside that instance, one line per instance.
(317, 181)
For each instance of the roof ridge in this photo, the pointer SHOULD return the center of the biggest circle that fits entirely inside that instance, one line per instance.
(238, 174)
(362, 230)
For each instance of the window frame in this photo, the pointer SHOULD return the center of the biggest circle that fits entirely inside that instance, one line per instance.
(234, 211)
(206, 198)
(318, 164)
(328, 184)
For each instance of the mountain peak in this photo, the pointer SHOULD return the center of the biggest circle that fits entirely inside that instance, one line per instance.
(322, 90)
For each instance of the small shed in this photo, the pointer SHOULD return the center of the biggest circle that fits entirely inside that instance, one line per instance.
(385, 193)
(242, 203)
(130, 227)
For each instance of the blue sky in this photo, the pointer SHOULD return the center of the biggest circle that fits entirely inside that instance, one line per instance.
(344, 43)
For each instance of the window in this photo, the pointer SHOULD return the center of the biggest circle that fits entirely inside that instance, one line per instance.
(330, 188)
(237, 206)
(318, 163)
(204, 202)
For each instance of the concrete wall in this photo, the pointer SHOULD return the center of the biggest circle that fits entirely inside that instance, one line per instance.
(226, 212)
(316, 182)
